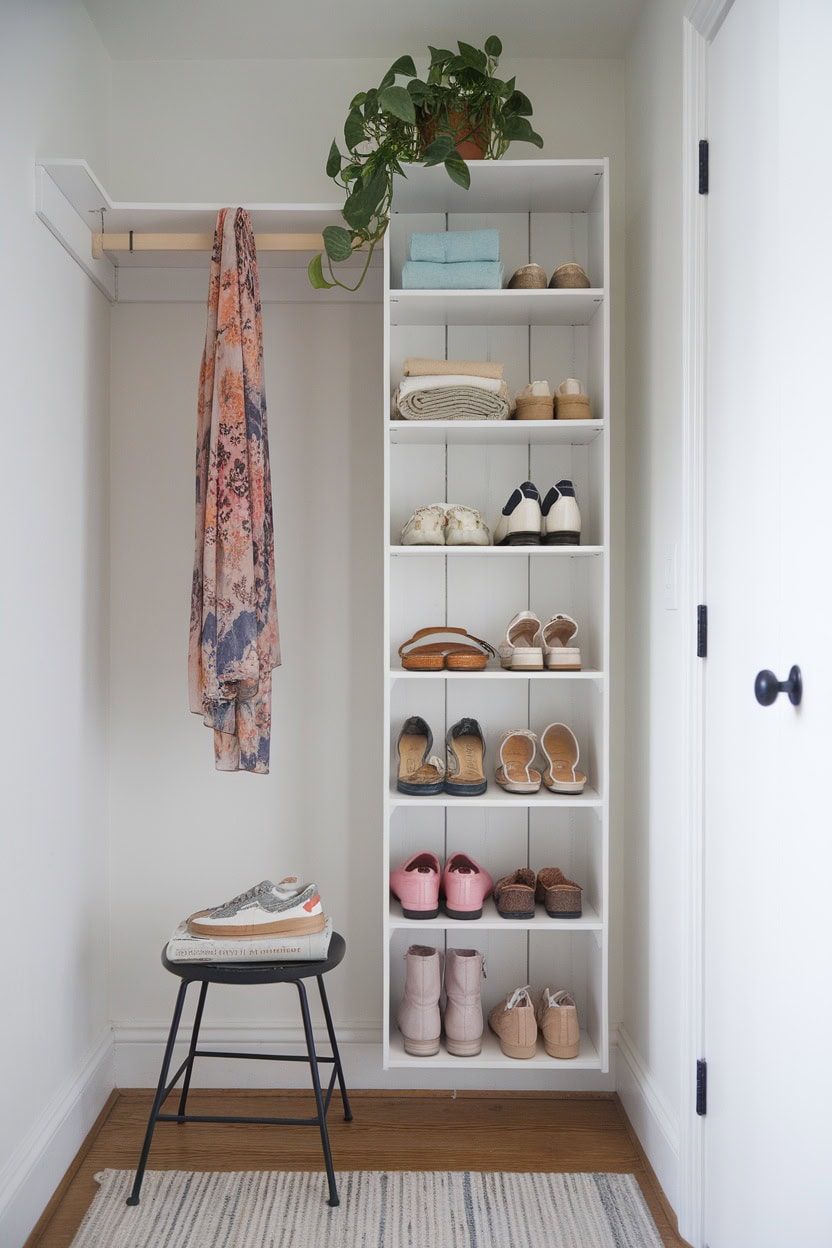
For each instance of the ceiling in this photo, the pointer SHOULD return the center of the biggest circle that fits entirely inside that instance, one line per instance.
(330, 29)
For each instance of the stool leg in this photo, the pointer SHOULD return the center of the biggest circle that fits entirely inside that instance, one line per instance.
(133, 1198)
(316, 1084)
(334, 1045)
(203, 992)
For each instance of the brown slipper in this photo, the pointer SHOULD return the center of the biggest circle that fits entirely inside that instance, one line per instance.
(561, 897)
(514, 894)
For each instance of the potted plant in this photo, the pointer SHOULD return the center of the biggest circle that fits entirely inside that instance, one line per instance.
(460, 111)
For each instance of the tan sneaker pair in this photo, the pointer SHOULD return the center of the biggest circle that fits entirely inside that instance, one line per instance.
(516, 1021)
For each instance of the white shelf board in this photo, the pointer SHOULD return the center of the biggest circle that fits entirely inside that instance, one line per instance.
(492, 1057)
(501, 186)
(494, 307)
(497, 798)
(495, 432)
(500, 674)
(495, 552)
(589, 921)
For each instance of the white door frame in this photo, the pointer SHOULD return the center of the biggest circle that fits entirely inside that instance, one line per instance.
(702, 19)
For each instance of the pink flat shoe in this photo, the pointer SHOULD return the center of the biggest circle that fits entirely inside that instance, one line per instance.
(465, 885)
(416, 884)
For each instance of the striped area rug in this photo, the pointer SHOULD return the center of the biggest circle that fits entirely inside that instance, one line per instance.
(378, 1209)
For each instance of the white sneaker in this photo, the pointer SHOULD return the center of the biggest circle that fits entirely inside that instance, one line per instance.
(426, 527)
(464, 526)
(561, 516)
(285, 909)
(520, 521)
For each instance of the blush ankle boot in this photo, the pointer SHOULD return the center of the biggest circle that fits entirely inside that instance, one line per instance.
(464, 969)
(418, 1015)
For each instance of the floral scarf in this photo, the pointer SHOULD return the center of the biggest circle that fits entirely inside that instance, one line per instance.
(234, 640)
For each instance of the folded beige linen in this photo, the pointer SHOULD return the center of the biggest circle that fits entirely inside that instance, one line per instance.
(416, 367)
(452, 403)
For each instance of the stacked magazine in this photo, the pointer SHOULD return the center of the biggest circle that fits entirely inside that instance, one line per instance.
(184, 946)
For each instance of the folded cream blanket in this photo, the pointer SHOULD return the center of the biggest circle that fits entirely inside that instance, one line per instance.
(452, 403)
(409, 384)
(416, 367)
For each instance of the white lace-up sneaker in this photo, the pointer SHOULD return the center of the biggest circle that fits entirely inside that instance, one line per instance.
(426, 527)
(464, 526)
(286, 909)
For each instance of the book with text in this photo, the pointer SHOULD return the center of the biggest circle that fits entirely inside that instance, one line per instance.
(183, 946)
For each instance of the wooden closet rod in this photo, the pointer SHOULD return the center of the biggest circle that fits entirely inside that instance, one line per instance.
(132, 241)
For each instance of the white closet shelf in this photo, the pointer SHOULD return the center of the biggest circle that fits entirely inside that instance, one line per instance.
(494, 432)
(503, 186)
(492, 1058)
(586, 674)
(497, 798)
(494, 307)
(590, 921)
(495, 552)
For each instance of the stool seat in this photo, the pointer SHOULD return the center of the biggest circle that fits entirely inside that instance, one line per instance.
(257, 972)
(205, 973)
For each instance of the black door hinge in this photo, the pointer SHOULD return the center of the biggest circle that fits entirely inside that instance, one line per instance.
(701, 632)
(703, 166)
(701, 1087)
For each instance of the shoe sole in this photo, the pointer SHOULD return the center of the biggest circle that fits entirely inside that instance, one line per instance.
(522, 1051)
(463, 914)
(563, 538)
(521, 539)
(515, 914)
(279, 927)
(563, 1053)
(466, 790)
(421, 1048)
(420, 790)
(420, 914)
(463, 1048)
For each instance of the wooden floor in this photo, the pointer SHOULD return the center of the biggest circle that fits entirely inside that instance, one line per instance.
(390, 1131)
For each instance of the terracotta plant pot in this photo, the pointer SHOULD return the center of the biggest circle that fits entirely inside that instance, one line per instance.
(472, 146)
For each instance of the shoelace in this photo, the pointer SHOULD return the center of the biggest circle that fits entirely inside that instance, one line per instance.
(520, 996)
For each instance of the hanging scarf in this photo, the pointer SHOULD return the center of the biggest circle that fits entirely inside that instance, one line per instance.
(234, 640)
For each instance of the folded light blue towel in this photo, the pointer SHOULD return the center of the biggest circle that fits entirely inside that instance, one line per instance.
(456, 246)
(473, 275)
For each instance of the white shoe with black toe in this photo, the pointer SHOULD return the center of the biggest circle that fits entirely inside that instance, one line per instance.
(520, 521)
(561, 516)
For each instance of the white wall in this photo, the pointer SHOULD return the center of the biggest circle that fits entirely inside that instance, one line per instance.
(650, 1080)
(54, 355)
(182, 835)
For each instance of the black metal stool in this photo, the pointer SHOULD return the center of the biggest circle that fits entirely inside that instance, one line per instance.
(250, 973)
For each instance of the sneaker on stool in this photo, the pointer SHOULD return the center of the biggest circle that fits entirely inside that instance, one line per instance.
(285, 909)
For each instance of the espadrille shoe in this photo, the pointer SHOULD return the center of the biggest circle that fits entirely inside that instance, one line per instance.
(559, 747)
(420, 772)
(557, 1018)
(514, 894)
(418, 1017)
(516, 753)
(520, 521)
(416, 884)
(561, 897)
(557, 635)
(570, 401)
(534, 402)
(514, 1024)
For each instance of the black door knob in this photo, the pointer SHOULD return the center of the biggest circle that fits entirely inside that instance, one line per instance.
(767, 687)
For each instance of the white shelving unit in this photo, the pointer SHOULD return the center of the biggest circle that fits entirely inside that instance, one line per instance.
(549, 212)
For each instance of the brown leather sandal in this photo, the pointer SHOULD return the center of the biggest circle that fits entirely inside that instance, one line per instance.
(470, 655)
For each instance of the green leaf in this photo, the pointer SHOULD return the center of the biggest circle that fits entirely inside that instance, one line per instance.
(398, 102)
(315, 273)
(404, 66)
(354, 130)
(458, 171)
(438, 56)
(519, 104)
(333, 164)
(437, 152)
(355, 211)
(358, 100)
(493, 47)
(387, 81)
(376, 188)
(473, 57)
(518, 130)
(418, 90)
(338, 242)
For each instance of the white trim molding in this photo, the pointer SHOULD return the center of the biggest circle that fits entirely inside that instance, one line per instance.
(44, 1155)
(649, 1114)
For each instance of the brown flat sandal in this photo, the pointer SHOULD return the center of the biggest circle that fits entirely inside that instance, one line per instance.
(470, 655)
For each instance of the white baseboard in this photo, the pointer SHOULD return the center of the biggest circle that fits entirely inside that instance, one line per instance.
(652, 1121)
(139, 1049)
(44, 1155)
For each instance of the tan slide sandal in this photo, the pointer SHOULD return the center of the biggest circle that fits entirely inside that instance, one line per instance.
(560, 749)
(450, 651)
(516, 752)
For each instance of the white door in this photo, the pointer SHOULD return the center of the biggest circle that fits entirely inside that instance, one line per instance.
(768, 813)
